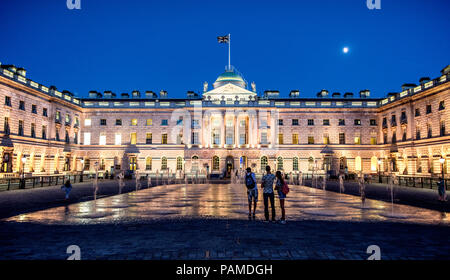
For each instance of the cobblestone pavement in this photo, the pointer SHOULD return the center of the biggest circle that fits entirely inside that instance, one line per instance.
(210, 222)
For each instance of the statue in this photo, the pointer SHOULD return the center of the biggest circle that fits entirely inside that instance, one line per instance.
(205, 86)
(253, 86)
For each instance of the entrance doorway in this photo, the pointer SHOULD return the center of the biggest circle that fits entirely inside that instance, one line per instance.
(133, 164)
(230, 165)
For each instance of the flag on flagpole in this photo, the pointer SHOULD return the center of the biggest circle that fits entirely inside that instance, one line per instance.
(223, 39)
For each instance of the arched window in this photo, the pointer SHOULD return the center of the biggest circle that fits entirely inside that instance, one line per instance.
(148, 163)
(342, 163)
(215, 163)
(194, 167)
(87, 164)
(295, 164)
(358, 166)
(374, 164)
(279, 163)
(179, 163)
(263, 163)
(102, 164)
(419, 164)
(311, 164)
(163, 163)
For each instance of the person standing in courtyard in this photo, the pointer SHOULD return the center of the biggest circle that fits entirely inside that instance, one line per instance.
(281, 188)
(267, 186)
(121, 182)
(252, 192)
(441, 189)
(67, 187)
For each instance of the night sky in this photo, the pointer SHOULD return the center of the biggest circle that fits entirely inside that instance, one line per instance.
(281, 45)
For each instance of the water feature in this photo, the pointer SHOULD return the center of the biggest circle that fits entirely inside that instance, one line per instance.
(324, 182)
(121, 181)
(341, 184)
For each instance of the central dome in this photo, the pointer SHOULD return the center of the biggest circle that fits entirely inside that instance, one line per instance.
(230, 76)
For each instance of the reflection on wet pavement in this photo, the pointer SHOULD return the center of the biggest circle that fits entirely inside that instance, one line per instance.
(227, 201)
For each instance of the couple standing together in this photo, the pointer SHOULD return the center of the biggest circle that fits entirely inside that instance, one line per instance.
(268, 193)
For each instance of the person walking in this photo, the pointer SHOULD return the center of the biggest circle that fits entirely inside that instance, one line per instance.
(67, 187)
(267, 186)
(252, 192)
(441, 189)
(279, 185)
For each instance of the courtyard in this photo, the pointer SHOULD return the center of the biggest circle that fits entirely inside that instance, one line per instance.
(209, 221)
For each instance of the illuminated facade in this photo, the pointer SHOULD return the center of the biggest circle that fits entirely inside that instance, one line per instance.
(225, 128)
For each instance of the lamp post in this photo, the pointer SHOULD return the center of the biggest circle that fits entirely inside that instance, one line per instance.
(442, 160)
(22, 178)
(379, 171)
(82, 169)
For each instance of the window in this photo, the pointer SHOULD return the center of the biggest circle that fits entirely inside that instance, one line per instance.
(373, 140)
(148, 163)
(22, 105)
(280, 122)
(103, 122)
(216, 137)
(310, 139)
(133, 138)
(75, 138)
(163, 163)
(44, 132)
(164, 122)
(87, 138)
(263, 122)
(429, 130)
(77, 121)
(215, 163)
(280, 139)
(20, 132)
(66, 137)
(441, 105)
(164, 138)
(310, 122)
(394, 138)
(57, 135)
(180, 139)
(118, 139)
(310, 164)
(264, 138)
(357, 140)
(87, 122)
(195, 124)
(242, 139)
(326, 122)
(404, 135)
(429, 109)
(279, 163)
(34, 109)
(195, 139)
(341, 122)
(403, 119)
(326, 139)
(373, 122)
(294, 121)
(194, 166)
(118, 121)
(295, 164)
(149, 122)
(418, 133)
(263, 163)
(384, 123)
(102, 140)
(148, 138)
(180, 121)
(295, 138)
(44, 112)
(442, 128)
(8, 101)
(6, 126)
(385, 138)
(58, 116)
(33, 130)
(179, 163)
(68, 119)
(357, 122)
(417, 112)
(134, 122)
(342, 138)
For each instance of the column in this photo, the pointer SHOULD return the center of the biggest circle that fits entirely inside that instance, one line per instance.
(236, 130)
(250, 130)
(222, 130)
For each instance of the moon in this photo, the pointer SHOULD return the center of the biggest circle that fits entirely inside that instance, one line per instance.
(345, 50)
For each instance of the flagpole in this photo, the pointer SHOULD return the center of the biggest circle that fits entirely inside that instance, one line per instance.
(229, 51)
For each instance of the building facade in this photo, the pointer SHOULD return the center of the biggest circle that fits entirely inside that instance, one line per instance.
(227, 127)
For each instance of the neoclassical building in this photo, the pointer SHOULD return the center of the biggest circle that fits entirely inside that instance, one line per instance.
(226, 127)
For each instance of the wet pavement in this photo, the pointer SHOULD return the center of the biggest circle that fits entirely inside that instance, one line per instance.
(210, 222)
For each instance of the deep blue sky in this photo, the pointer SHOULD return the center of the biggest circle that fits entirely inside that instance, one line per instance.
(281, 45)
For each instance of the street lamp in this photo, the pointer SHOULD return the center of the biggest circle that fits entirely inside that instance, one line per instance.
(82, 169)
(379, 171)
(22, 179)
(442, 160)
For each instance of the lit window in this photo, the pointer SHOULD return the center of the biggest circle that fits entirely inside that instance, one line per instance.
(87, 138)
(164, 138)
(149, 122)
(295, 164)
(310, 139)
(102, 140)
(148, 163)
(215, 165)
(118, 139)
(279, 163)
(280, 139)
(133, 139)
(326, 139)
(179, 163)
(373, 140)
(357, 140)
(134, 122)
(295, 139)
(163, 163)
(87, 122)
(148, 138)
